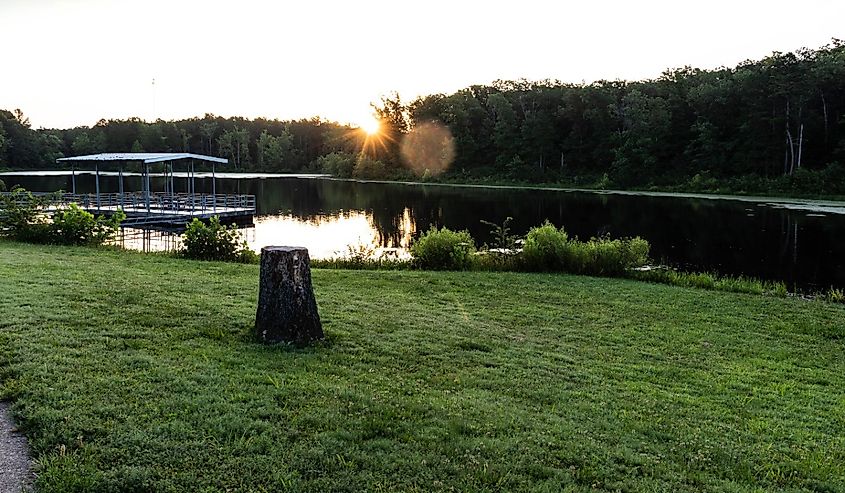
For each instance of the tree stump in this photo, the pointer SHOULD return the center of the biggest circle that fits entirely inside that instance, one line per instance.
(287, 310)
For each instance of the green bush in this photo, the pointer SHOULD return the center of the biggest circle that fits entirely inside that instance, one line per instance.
(76, 226)
(21, 211)
(604, 256)
(443, 249)
(215, 241)
(545, 248)
(26, 217)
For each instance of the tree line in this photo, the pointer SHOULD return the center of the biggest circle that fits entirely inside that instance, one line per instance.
(260, 144)
(779, 118)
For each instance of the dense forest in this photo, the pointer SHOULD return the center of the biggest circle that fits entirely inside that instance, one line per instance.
(777, 124)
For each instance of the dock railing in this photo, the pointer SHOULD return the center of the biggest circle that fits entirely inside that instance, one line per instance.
(139, 203)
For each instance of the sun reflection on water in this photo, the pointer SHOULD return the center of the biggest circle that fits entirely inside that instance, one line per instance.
(325, 236)
(328, 236)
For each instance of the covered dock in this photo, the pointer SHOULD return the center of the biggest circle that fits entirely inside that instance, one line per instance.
(157, 207)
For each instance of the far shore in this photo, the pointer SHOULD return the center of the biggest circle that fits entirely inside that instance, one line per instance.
(822, 205)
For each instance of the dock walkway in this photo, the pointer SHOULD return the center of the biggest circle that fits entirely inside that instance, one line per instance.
(159, 209)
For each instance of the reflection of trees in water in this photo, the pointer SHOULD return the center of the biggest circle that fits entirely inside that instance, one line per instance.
(730, 237)
(703, 234)
(39, 183)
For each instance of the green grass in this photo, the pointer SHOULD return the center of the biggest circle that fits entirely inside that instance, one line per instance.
(132, 372)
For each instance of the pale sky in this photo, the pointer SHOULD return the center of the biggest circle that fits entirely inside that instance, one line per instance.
(71, 62)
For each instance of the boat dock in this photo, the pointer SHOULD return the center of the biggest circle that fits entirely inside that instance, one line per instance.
(160, 209)
(164, 208)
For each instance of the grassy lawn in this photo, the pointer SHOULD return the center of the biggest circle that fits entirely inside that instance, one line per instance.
(136, 373)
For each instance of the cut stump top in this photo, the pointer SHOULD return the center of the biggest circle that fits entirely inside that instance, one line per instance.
(282, 249)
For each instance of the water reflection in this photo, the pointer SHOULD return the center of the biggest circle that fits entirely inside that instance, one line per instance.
(331, 235)
(800, 244)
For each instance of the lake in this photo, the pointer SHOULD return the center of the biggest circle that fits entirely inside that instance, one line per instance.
(800, 242)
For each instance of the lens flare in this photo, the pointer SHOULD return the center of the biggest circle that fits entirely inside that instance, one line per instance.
(428, 149)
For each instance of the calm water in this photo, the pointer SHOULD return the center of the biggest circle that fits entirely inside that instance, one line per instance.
(799, 243)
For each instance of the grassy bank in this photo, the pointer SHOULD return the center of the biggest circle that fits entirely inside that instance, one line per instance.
(132, 372)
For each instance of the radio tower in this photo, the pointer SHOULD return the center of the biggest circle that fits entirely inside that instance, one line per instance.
(153, 116)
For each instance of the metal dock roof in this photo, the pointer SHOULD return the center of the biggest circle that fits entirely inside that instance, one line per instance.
(144, 157)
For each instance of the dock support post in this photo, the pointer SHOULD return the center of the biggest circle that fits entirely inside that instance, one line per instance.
(73, 178)
(213, 188)
(97, 181)
(172, 184)
(147, 186)
(120, 185)
(193, 189)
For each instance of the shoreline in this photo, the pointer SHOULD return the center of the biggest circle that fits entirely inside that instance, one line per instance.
(832, 206)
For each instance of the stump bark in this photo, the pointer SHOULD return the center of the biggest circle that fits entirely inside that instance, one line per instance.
(287, 310)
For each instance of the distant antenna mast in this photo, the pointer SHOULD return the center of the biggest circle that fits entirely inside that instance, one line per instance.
(154, 100)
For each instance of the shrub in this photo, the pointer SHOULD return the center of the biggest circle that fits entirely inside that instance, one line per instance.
(443, 249)
(636, 251)
(20, 211)
(577, 257)
(215, 241)
(549, 249)
(26, 217)
(545, 247)
(76, 226)
(604, 256)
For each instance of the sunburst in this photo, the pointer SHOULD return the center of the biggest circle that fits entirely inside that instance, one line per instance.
(370, 126)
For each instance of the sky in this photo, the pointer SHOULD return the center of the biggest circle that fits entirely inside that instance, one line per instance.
(68, 63)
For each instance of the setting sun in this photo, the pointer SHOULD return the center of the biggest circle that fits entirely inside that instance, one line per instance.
(370, 126)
